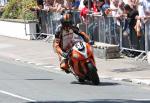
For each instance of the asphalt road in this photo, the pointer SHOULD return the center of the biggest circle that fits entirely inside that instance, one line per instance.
(27, 83)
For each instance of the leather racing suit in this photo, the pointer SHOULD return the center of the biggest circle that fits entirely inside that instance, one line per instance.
(64, 39)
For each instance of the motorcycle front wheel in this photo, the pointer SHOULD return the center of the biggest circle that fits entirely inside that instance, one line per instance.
(93, 75)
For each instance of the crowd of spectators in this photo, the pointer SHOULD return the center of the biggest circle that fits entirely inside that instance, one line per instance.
(103, 7)
(57, 5)
(136, 12)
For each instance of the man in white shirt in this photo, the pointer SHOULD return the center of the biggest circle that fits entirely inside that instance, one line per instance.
(147, 7)
(114, 7)
(81, 6)
(147, 23)
(145, 4)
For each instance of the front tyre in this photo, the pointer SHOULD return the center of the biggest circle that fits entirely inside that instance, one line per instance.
(93, 76)
(81, 80)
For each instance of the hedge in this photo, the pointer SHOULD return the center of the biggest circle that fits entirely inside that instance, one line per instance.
(19, 9)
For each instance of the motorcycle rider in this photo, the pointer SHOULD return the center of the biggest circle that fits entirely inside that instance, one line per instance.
(64, 37)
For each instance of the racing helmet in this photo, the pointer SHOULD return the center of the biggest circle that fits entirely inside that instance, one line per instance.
(66, 19)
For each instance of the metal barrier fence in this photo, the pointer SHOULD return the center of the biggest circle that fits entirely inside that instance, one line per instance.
(101, 29)
(48, 22)
(110, 30)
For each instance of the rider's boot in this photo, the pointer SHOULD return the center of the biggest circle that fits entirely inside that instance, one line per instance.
(64, 66)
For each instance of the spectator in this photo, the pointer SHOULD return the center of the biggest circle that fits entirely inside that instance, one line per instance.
(140, 24)
(132, 15)
(81, 6)
(143, 9)
(68, 4)
(72, 4)
(53, 5)
(48, 5)
(76, 13)
(58, 7)
(114, 7)
(84, 17)
(133, 4)
(39, 4)
(146, 6)
(119, 19)
(94, 6)
(85, 11)
(106, 8)
(93, 26)
(120, 12)
(125, 1)
(75, 4)
(38, 9)
(99, 5)
(59, 4)
(116, 20)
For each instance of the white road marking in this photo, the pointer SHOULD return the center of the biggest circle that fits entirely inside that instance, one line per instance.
(141, 100)
(2, 45)
(50, 66)
(16, 96)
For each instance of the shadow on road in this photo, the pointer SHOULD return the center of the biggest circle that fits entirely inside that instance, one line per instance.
(108, 84)
(101, 83)
(97, 101)
(38, 79)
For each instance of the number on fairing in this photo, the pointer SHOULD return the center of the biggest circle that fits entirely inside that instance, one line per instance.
(79, 46)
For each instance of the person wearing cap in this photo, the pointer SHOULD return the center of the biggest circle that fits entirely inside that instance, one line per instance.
(106, 7)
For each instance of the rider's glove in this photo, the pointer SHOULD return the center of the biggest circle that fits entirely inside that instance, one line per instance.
(64, 54)
(91, 42)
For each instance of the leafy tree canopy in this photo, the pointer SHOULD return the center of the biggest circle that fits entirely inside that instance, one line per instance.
(19, 9)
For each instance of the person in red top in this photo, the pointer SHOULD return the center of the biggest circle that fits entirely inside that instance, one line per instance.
(85, 10)
(95, 9)
(94, 6)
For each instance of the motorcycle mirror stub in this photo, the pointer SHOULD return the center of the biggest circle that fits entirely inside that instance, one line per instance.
(91, 42)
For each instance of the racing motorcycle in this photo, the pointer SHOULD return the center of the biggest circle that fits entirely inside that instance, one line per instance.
(82, 63)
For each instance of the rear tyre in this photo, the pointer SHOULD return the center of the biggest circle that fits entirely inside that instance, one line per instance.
(93, 76)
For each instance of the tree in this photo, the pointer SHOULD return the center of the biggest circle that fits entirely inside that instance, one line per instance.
(19, 9)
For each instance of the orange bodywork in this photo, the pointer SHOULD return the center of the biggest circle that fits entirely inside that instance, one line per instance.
(79, 61)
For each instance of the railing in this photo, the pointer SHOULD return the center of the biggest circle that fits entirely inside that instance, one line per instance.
(48, 22)
(110, 30)
(101, 29)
